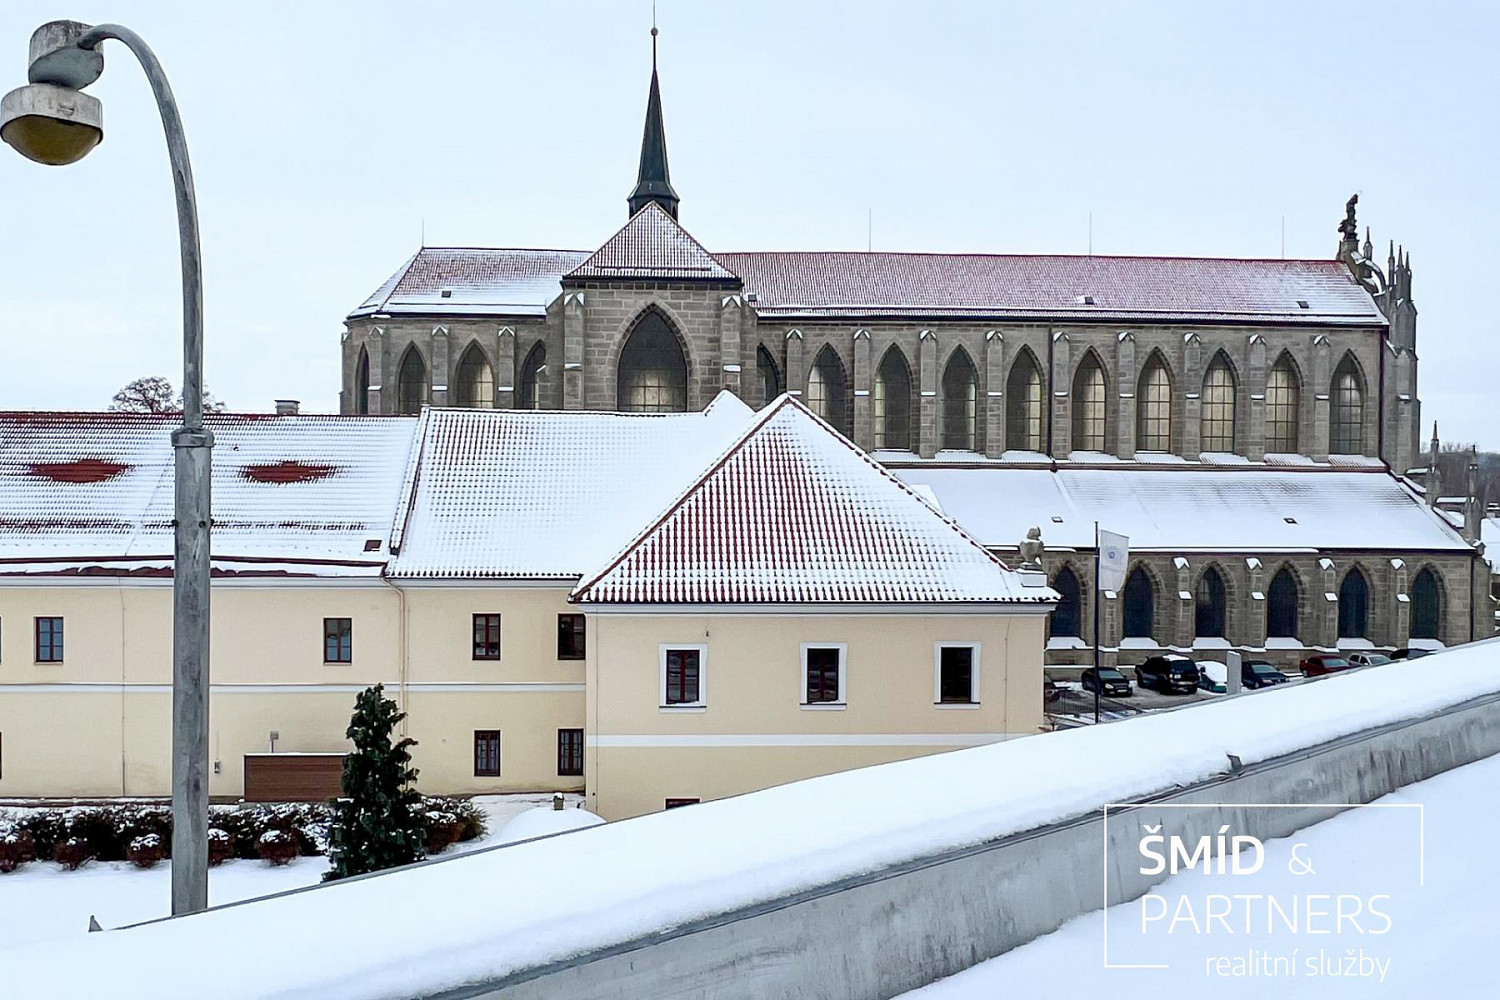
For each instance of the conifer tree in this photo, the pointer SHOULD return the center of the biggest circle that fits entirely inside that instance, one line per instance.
(378, 821)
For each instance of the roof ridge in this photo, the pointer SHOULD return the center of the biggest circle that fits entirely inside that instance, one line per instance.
(1014, 255)
(640, 220)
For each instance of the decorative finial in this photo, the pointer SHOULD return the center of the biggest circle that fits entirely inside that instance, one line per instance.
(653, 36)
(1032, 548)
(1349, 228)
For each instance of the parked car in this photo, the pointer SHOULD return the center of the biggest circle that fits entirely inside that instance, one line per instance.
(1259, 674)
(1168, 673)
(1213, 676)
(1322, 664)
(1108, 680)
(1408, 653)
(1368, 659)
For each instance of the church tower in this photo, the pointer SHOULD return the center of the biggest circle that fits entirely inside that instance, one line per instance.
(653, 180)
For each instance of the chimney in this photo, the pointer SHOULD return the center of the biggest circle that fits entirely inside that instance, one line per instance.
(288, 407)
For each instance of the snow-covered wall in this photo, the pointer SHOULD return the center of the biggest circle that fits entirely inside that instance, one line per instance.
(861, 884)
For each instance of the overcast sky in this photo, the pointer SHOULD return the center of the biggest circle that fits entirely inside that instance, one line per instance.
(325, 136)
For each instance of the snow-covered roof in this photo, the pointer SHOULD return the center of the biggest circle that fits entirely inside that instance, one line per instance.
(550, 495)
(303, 495)
(652, 245)
(594, 891)
(1175, 509)
(440, 280)
(1027, 286)
(1489, 534)
(850, 283)
(795, 513)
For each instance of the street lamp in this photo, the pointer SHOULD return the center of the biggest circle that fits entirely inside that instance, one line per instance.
(52, 121)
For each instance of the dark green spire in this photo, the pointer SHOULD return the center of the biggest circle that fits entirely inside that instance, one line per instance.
(653, 181)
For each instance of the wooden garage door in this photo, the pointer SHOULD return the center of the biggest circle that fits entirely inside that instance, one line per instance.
(293, 777)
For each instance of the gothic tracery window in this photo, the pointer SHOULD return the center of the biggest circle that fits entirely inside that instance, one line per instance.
(1281, 605)
(1283, 395)
(1347, 410)
(530, 396)
(1354, 606)
(476, 380)
(1067, 617)
(1088, 406)
(1154, 408)
(1023, 405)
(362, 383)
(1426, 605)
(653, 375)
(412, 383)
(960, 402)
(826, 392)
(893, 402)
(1139, 599)
(1209, 605)
(1217, 412)
(770, 375)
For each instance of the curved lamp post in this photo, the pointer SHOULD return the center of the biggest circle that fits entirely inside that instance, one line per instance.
(52, 121)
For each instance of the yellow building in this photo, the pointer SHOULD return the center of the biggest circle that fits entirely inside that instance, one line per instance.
(654, 608)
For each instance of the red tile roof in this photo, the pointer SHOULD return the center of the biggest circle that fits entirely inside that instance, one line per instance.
(793, 513)
(478, 282)
(652, 246)
(1144, 289)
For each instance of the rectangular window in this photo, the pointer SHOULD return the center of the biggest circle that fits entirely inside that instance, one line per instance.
(958, 673)
(570, 752)
(675, 803)
(682, 675)
(823, 674)
(486, 637)
(338, 640)
(570, 637)
(49, 640)
(487, 753)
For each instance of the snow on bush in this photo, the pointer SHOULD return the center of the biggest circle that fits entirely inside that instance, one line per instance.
(276, 846)
(72, 853)
(145, 851)
(16, 847)
(220, 846)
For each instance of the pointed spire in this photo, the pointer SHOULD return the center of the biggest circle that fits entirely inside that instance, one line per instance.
(653, 180)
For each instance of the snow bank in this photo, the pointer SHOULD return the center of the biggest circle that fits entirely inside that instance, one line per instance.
(439, 926)
(544, 821)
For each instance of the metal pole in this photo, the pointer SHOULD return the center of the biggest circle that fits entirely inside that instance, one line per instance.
(1098, 594)
(190, 577)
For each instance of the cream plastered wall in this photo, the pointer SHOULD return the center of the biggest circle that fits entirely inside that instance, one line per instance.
(98, 724)
(754, 730)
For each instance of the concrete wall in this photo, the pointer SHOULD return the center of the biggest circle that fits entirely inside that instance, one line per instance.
(879, 935)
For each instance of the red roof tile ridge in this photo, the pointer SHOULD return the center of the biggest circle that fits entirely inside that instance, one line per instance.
(1026, 256)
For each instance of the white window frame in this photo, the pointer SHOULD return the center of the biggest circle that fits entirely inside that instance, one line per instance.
(937, 673)
(693, 706)
(825, 706)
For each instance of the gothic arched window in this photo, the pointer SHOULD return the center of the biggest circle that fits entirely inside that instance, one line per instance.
(1354, 606)
(960, 402)
(1209, 605)
(1283, 396)
(826, 395)
(1346, 417)
(893, 402)
(1153, 415)
(653, 371)
(476, 380)
(1067, 617)
(412, 392)
(770, 375)
(1088, 405)
(1139, 599)
(1023, 405)
(1426, 605)
(530, 397)
(362, 383)
(1217, 424)
(1281, 605)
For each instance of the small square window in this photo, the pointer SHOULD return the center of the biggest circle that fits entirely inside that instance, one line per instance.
(338, 640)
(957, 673)
(571, 636)
(678, 803)
(486, 637)
(487, 753)
(49, 640)
(682, 676)
(823, 674)
(570, 752)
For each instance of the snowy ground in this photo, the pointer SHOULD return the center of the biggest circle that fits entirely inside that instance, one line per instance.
(41, 901)
(1439, 942)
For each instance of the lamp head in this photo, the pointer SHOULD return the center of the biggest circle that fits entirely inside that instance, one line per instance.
(51, 124)
(51, 121)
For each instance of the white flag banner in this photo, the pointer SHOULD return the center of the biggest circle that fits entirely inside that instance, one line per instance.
(1114, 554)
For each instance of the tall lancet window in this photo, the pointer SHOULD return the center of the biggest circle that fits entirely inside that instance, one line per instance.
(1347, 410)
(1217, 426)
(653, 371)
(1088, 405)
(1023, 405)
(826, 390)
(412, 392)
(893, 402)
(530, 396)
(1283, 397)
(476, 380)
(960, 402)
(1154, 408)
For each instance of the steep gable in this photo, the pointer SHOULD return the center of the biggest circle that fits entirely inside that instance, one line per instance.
(653, 246)
(794, 513)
